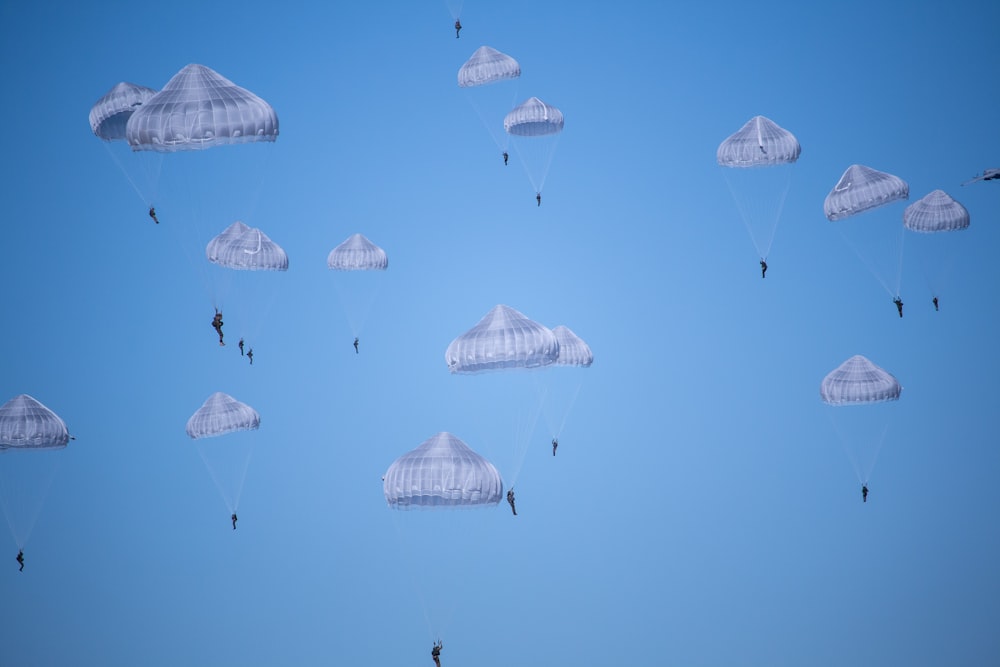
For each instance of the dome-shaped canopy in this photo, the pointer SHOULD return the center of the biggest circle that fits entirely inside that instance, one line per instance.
(27, 424)
(759, 143)
(503, 339)
(443, 472)
(858, 381)
(222, 414)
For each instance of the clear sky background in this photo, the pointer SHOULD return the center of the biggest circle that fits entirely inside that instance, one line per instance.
(702, 508)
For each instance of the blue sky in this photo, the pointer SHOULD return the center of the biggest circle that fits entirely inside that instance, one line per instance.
(701, 509)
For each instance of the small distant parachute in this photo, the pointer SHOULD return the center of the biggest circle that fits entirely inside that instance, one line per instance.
(443, 472)
(858, 381)
(759, 193)
(864, 387)
(360, 265)
(489, 79)
(861, 189)
(759, 143)
(878, 243)
(572, 350)
(534, 118)
(357, 253)
(197, 109)
(226, 462)
(27, 424)
(32, 438)
(485, 66)
(535, 128)
(503, 339)
(246, 248)
(110, 114)
(221, 414)
(936, 212)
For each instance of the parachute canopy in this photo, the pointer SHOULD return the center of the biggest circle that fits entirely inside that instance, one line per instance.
(858, 381)
(504, 338)
(533, 118)
(487, 65)
(861, 189)
(110, 114)
(222, 414)
(936, 212)
(246, 248)
(442, 472)
(197, 109)
(357, 253)
(759, 143)
(27, 424)
(572, 350)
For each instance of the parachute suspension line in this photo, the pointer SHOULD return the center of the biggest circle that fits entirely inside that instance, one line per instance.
(777, 219)
(848, 451)
(29, 509)
(128, 176)
(500, 138)
(416, 582)
(878, 448)
(548, 163)
(242, 479)
(760, 198)
(524, 430)
(569, 408)
(867, 262)
(232, 502)
(746, 220)
(899, 254)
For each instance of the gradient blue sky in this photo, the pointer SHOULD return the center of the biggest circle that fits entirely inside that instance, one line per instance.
(701, 510)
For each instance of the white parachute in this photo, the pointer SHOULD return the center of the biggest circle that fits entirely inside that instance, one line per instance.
(757, 160)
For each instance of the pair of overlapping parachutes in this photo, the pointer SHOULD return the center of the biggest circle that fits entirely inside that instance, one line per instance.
(506, 339)
(197, 109)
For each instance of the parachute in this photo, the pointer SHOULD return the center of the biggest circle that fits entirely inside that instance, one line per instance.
(27, 424)
(31, 439)
(861, 189)
(860, 384)
(246, 249)
(443, 472)
(489, 79)
(572, 350)
(759, 143)
(110, 114)
(858, 381)
(359, 263)
(486, 66)
(227, 463)
(935, 212)
(878, 244)
(535, 127)
(759, 193)
(221, 414)
(197, 109)
(560, 389)
(443, 476)
(503, 339)
(357, 253)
